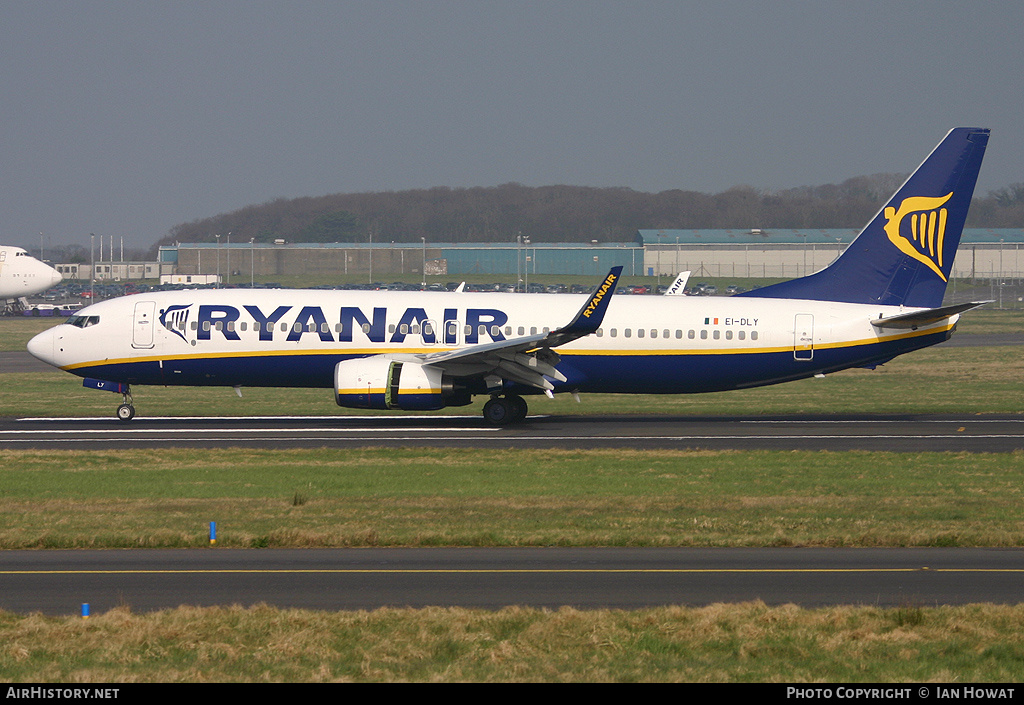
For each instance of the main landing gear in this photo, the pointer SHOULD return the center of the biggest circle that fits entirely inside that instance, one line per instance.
(126, 412)
(502, 411)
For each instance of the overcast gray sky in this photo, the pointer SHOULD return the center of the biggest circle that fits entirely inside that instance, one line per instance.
(127, 118)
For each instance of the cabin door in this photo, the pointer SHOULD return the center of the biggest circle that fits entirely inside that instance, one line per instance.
(142, 331)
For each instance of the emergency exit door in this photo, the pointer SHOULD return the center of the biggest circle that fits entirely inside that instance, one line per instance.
(803, 336)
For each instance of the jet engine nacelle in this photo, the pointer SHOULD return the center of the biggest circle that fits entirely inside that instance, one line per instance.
(381, 382)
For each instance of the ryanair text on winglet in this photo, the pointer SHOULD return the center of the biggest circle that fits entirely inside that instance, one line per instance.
(608, 283)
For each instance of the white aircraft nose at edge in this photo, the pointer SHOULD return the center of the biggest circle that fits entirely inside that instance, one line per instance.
(24, 275)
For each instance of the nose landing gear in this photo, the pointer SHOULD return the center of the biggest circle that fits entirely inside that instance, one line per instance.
(126, 412)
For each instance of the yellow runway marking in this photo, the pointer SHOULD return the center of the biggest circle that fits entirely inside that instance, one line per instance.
(469, 571)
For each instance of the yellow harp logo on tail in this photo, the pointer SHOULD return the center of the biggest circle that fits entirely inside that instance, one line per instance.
(925, 231)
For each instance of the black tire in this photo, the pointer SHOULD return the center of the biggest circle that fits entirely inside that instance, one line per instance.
(499, 412)
(519, 408)
(125, 412)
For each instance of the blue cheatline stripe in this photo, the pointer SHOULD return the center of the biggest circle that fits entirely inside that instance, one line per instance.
(669, 372)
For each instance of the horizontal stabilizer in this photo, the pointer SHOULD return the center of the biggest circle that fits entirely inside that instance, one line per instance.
(924, 318)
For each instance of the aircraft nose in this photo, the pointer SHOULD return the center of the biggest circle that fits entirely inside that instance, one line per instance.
(41, 347)
(55, 277)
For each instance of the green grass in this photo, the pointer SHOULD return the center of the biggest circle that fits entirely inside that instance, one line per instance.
(431, 497)
(421, 497)
(749, 642)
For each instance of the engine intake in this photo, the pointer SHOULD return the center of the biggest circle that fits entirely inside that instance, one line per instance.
(381, 382)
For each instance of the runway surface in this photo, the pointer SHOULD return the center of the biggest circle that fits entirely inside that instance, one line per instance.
(910, 433)
(58, 582)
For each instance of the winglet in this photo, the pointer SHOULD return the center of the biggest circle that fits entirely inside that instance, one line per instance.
(589, 318)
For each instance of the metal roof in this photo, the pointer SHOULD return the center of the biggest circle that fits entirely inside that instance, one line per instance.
(819, 236)
(402, 245)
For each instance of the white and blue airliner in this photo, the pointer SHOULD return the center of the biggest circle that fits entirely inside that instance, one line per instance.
(428, 350)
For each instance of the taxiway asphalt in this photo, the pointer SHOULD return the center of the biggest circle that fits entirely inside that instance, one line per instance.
(59, 582)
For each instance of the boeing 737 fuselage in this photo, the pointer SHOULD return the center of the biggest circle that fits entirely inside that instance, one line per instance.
(425, 350)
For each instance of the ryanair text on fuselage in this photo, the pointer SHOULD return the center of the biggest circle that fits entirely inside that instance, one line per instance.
(222, 319)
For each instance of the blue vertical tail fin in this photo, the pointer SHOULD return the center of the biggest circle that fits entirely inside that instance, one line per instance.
(904, 256)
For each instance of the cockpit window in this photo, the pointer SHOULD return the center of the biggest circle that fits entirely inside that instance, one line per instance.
(83, 321)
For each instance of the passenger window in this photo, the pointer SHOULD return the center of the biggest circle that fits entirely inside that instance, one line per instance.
(717, 334)
(691, 334)
(728, 335)
(613, 333)
(639, 332)
(753, 335)
(703, 335)
(628, 333)
(743, 335)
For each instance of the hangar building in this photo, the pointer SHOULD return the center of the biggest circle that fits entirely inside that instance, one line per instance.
(985, 253)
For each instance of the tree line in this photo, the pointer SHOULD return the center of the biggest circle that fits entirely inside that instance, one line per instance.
(565, 213)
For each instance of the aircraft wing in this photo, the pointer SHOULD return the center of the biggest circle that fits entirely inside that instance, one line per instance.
(528, 360)
(916, 319)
